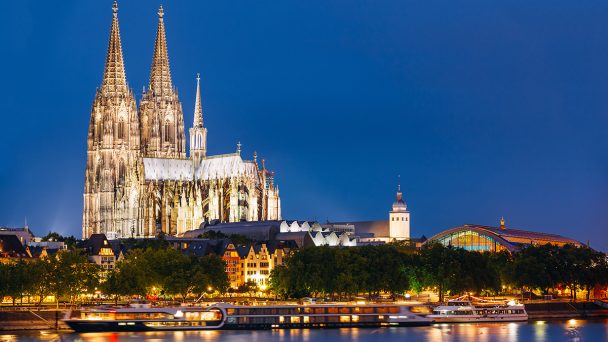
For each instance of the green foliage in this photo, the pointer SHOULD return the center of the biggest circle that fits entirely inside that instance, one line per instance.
(395, 268)
(168, 271)
(343, 272)
(70, 241)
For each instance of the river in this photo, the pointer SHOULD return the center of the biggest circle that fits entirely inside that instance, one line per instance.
(557, 330)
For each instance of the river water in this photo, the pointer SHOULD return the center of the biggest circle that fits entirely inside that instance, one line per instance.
(556, 330)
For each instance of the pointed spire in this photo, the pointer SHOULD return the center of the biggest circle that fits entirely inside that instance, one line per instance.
(398, 183)
(198, 108)
(160, 76)
(238, 148)
(114, 79)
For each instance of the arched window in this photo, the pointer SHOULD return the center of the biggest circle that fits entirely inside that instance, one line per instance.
(121, 129)
(122, 171)
(168, 131)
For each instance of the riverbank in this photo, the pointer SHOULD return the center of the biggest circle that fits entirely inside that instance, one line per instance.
(555, 310)
(21, 319)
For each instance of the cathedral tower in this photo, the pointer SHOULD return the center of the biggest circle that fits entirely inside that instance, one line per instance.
(399, 224)
(198, 133)
(112, 175)
(161, 116)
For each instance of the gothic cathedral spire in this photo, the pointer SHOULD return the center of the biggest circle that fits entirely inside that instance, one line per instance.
(114, 79)
(160, 75)
(198, 133)
(111, 190)
(161, 116)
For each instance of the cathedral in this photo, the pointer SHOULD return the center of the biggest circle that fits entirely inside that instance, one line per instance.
(139, 181)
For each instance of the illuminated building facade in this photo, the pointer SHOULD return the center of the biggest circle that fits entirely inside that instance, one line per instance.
(495, 239)
(138, 179)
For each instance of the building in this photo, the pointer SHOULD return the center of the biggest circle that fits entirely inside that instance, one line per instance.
(100, 251)
(474, 237)
(138, 179)
(24, 234)
(304, 233)
(246, 262)
(397, 227)
(11, 249)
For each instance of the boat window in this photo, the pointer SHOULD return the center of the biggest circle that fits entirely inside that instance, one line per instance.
(344, 310)
(344, 319)
(381, 310)
(332, 310)
(319, 310)
(367, 310)
(393, 309)
(295, 319)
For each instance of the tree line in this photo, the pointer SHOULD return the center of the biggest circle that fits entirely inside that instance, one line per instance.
(68, 275)
(64, 275)
(397, 269)
(166, 272)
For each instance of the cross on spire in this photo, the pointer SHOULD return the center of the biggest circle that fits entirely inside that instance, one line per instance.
(399, 183)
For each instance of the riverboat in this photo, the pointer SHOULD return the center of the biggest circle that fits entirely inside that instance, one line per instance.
(228, 316)
(461, 311)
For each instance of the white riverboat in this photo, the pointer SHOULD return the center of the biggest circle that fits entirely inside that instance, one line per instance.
(227, 316)
(462, 311)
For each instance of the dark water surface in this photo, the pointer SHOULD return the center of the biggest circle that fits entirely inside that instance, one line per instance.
(564, 330)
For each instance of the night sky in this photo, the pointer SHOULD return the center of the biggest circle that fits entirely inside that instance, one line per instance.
(485, 108)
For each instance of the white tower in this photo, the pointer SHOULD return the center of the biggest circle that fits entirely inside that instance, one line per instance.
(399, 224)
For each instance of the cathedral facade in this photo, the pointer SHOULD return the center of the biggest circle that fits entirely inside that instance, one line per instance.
(139, 181)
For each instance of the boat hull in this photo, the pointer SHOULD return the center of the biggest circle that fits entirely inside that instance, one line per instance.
(473, 319)
(110, 326)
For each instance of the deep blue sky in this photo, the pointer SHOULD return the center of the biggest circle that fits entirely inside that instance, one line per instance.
(485, 108)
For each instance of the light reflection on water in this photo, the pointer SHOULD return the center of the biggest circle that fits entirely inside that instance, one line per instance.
(568, 330)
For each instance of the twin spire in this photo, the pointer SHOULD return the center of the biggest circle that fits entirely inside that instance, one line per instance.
(114, 78)
(160, 76)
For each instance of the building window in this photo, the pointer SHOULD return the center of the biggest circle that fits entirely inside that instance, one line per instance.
(121, 129)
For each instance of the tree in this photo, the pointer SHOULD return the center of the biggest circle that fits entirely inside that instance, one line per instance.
(249, 286)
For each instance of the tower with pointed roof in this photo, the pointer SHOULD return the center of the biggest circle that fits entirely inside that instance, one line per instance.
(161, 115)
(112, 177)
(138, 180)
(198, 133)
(399, 217)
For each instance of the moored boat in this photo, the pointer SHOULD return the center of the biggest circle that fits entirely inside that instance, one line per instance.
(462, 311)
(227, 316)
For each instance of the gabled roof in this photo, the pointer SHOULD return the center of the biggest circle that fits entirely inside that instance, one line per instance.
(95, 243)
(10, 246)
(243, 250)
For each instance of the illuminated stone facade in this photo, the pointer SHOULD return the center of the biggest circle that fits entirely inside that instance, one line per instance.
(139, 181)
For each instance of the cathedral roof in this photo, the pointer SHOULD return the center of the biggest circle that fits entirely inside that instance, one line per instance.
(167, 169)
(214, 167)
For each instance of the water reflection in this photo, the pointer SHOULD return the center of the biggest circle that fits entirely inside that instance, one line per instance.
(564, 330)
